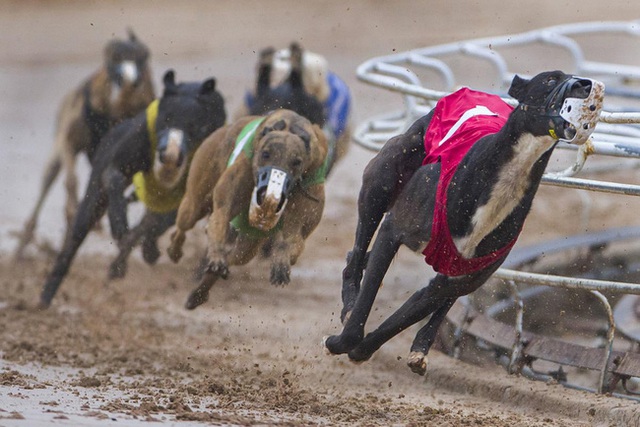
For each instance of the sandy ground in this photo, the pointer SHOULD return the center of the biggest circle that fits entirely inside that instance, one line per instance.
(129, 352)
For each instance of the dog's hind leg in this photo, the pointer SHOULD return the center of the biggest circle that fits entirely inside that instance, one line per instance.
(71, 186)
(425, 337)
(383, 178)
(384, 250)
(51, 172)
(91, 209)
(421, 304)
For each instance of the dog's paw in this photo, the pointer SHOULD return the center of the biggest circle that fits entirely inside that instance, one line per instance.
(280, 274)
(196, 298)
(150, 251)
(359, 355)
(219, 268)
(174, 253)
(418, 362)
(117, 270)
(332, 344)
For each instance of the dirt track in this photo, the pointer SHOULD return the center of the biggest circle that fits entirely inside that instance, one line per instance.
(129, 352)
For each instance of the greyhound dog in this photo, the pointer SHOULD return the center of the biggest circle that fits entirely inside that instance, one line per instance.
(300, 80)
(120, 89)
(457, 187)
(262, 180)
(157, 143)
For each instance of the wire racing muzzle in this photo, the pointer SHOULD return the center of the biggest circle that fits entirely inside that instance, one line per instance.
(269, 198)
(575, 118)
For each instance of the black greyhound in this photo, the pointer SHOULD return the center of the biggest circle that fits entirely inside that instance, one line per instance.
(310, 89)
(185, 115)
(465, 228)
(290, 94)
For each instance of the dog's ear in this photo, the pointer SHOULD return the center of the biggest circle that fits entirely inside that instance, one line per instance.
(517, 89)
(132, 35)
(109, 50)
(319, 150)
(169, 79)
(208, 86)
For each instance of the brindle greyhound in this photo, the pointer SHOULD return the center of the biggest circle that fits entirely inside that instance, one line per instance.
(119, 90)
(309, 89)
(262, 180)
(184, 116)
(465, 228)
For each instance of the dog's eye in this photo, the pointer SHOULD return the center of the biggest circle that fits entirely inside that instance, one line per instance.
(280, 125)
(265, 155)
(265, 131)
(551, 81)
(295, 163)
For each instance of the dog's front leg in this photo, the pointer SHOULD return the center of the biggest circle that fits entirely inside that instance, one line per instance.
(383, 179)
(302, 216)
(206, 168)
(384, 250)
(280, 259)
(116, 183)
(231, 195)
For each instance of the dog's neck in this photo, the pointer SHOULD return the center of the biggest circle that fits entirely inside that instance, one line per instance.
(508, 183)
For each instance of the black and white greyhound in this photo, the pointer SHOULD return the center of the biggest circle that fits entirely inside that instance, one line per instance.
(155, 145)
(463, 211)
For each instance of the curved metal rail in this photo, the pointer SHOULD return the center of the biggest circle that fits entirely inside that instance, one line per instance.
(617, 135)
(399, 73)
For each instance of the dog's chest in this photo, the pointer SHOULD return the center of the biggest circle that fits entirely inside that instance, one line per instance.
(512, 180)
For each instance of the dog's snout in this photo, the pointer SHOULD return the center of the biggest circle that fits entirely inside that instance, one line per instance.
(128, 72)
(581, 88)
(272, 182)
(171, 147)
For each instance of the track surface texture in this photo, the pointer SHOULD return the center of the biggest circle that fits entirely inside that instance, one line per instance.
(129, 352)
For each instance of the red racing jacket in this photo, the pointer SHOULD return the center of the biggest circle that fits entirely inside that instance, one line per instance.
(459, 120)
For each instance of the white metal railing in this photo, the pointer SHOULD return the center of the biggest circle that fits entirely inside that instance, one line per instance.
(617, 134)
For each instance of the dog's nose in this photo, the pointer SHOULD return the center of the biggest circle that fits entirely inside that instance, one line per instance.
(128, 71)
(172, 147)
(581, 88)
